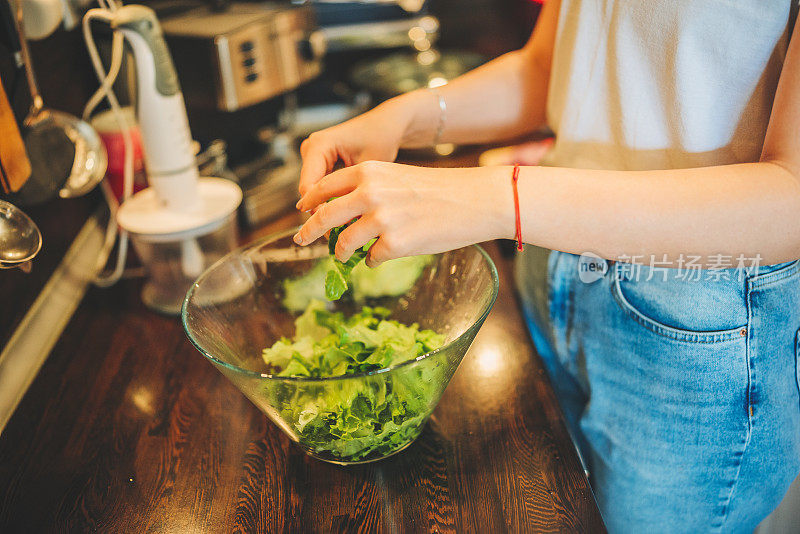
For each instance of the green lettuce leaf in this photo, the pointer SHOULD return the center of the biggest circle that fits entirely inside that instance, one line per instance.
(337, 279)
(352, 420)
(325, 281)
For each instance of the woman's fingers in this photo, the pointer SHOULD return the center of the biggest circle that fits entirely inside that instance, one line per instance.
(334, 213)
(378, 253)
(318, 160)
(336, 184)
(356, 235)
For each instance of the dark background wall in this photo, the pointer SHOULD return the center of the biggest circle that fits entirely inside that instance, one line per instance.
(67, 80)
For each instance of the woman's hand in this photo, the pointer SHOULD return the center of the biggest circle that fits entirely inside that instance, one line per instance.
(375, 135)
(410, 210)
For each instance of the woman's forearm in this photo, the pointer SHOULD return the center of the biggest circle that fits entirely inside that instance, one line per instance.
(748, 209)
(503, 99)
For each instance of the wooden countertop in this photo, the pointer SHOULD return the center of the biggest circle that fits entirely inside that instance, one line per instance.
(128, 429)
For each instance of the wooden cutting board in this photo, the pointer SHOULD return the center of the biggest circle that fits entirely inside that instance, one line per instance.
(15, 168)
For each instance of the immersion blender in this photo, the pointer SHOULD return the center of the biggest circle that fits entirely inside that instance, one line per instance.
(181, 223)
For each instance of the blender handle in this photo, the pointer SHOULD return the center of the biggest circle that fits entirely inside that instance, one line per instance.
(142, 21)
(166, 138)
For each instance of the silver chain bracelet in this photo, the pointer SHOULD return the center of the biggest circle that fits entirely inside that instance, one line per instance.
(442, 115)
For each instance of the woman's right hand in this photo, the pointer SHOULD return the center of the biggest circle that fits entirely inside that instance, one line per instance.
(374, 135)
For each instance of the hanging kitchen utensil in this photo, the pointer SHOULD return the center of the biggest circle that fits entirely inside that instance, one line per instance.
(14, 159)
(20, 239)
(3, 180)
(66, 154)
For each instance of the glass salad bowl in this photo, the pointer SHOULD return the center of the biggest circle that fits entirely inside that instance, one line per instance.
(260, 296)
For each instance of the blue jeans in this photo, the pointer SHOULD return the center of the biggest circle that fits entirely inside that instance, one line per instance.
(683, 396)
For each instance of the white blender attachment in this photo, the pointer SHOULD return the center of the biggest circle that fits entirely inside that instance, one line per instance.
(169, 219)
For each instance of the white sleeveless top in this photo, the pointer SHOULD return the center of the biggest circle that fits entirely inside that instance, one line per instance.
(659, 84)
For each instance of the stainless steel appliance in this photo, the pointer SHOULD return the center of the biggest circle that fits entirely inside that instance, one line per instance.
(246, 54)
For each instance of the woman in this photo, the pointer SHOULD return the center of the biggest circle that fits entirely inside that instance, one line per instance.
(677, 144)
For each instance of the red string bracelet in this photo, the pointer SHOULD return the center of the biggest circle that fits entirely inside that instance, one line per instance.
(514, 179)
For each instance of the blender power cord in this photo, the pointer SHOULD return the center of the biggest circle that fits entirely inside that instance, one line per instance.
(106, 14)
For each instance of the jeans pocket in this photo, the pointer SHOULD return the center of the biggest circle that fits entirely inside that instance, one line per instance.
(775, 274)
(697, 314)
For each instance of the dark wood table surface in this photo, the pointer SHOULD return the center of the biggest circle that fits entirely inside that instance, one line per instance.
(128, 429)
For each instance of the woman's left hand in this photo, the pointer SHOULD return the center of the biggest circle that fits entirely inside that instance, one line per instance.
(410, 210)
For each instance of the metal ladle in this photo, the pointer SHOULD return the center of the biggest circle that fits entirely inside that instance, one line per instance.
(66, 153)
(20, 238)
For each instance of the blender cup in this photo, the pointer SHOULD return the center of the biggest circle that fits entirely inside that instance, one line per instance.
(176, 247)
